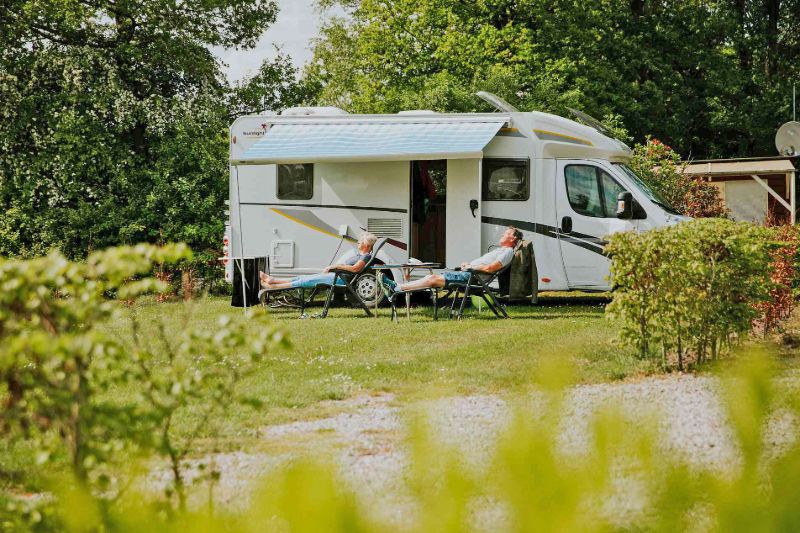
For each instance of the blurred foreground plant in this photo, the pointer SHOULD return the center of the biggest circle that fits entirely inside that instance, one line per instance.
(56, 368)
(197, 372)
(621, 478)
(59, 372)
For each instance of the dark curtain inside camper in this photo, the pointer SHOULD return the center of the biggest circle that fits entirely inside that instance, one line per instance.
(251, 288)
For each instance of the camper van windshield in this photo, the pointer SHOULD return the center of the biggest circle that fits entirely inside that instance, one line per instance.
(654, 196)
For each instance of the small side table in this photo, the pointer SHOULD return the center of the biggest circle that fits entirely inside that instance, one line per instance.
(407, 269)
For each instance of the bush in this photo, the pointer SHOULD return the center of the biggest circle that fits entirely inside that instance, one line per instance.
(661, 168)
(55, 366)
(59, 373)
(691, 288)
(783, 273)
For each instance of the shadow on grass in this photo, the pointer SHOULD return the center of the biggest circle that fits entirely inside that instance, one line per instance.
(549, 307)
(426, 314)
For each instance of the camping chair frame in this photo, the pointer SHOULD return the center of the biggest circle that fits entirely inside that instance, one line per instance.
(350, 279)
(264, 296)
(477, 286)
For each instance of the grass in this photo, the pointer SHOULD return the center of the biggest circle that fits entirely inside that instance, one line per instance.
(349, 354)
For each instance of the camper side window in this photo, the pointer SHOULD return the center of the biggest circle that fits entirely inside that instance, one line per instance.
(583, 190)
(592, 191)
(506, 179)
(295, 182)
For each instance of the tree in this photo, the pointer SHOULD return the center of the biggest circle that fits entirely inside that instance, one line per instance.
(669, 68)
(660, 167)
(114, 119)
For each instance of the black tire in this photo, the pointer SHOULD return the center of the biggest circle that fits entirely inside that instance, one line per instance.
(366, 287)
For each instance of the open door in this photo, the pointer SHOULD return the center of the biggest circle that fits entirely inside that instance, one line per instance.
(463, 211)
(428, 210)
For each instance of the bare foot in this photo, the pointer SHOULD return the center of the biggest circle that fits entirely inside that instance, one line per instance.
(264, 279)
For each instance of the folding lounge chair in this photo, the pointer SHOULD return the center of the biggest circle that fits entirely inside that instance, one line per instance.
(476, 285)
(350, 281)
(349, 278)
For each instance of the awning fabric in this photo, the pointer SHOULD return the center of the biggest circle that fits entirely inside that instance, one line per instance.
(372, 141)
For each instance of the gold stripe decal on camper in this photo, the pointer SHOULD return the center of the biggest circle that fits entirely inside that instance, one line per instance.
(553, 136)
(510, 132)
(309, 220)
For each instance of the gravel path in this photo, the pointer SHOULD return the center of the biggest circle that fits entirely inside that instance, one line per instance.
(366, 439)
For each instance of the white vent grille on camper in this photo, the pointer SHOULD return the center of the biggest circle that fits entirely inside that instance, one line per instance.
(386, 227)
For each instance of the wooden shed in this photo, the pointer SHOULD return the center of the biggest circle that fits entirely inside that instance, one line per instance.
(754, 189)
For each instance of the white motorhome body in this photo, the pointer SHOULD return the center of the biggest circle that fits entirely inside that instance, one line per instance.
(300, 183)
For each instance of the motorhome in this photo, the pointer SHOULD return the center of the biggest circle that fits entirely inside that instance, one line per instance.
(441, 187)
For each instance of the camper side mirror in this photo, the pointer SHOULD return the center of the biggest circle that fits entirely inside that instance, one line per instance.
(625, 205)
(628, 208)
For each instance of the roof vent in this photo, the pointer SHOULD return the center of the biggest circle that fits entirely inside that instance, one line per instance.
(306, 111)
(417, 112)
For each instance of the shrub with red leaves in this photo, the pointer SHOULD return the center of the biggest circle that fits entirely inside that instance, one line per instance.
(783, 274)
(661, 168)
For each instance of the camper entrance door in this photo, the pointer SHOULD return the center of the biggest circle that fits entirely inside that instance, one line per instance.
(428, 210)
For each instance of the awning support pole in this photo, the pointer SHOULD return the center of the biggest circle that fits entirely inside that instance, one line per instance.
(774, 194)
(241, 242)
(793, 197)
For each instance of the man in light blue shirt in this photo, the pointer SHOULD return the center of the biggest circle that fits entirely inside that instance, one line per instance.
(488, 263)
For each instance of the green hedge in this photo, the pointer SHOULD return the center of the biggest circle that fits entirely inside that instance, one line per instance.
(689, 289)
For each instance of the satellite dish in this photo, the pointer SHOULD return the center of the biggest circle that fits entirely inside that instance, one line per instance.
(787, 140)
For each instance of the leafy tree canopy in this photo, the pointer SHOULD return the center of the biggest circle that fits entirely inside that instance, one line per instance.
(113, 119)
(710, 78)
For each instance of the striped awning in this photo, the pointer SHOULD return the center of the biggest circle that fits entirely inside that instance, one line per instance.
(372, 141)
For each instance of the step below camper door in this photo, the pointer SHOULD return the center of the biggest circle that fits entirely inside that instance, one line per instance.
(463, 223)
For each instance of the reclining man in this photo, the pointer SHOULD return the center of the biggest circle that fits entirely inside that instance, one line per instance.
(355, 263)
(489, 263)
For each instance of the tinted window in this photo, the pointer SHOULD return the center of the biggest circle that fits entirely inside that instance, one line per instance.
(295, 182)
(648, 191)
(583, 190)
(506, 179)
(611, 190)
(592, 191)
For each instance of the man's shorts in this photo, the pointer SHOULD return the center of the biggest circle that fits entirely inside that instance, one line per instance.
(451, 277)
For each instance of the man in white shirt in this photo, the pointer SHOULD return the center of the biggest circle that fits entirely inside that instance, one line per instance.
(488, 263)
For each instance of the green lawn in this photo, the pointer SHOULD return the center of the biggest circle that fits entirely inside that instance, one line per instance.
(349, 354)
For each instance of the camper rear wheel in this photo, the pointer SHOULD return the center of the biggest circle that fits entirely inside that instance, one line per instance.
(367, 289)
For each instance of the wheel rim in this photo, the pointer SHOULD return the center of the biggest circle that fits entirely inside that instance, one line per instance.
(367, 290)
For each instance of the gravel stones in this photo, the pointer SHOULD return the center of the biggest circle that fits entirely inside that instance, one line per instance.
(366, 439)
